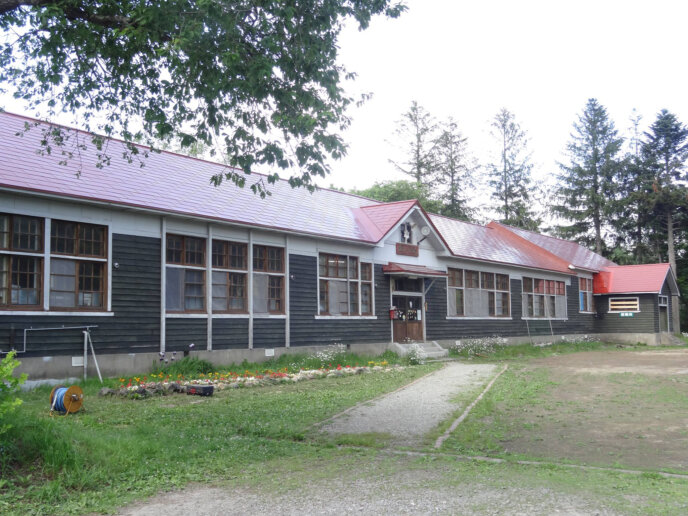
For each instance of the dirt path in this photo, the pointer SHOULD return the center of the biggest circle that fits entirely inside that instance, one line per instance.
(410, 413)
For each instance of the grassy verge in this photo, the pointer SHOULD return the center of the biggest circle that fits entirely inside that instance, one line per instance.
(117, 449)
(527, 350)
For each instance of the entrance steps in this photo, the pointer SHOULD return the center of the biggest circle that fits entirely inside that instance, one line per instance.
(667, 339)
(431, 349)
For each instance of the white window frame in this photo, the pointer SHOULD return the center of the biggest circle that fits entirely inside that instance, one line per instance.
(625, 299)
(359, 282)
(663, 300)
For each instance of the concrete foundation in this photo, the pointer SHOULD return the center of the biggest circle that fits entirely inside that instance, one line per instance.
(126, 364)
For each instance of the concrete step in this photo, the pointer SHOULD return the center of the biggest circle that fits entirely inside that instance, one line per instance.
(431, 349)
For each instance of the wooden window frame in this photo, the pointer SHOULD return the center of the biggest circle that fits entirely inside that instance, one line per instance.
(228, 292)
(10, 234)
(34, 307)
(281, 294)
(227, 255)
(343, 262)
(544, 289)
(585, 288)
(183, 250)
(266, 260)
(488, 282)
(78, 226)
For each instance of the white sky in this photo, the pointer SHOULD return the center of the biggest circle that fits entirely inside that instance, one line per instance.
(540, 59)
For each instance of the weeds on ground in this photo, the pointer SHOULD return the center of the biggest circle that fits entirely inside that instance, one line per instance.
(495, 348)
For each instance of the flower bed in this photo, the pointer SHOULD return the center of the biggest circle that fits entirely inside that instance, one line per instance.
(161, 383)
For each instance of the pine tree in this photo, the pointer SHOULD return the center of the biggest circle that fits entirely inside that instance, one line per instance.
(417, 129)
(510, 175)
(588, 181)
(454, 171)
(665, 152)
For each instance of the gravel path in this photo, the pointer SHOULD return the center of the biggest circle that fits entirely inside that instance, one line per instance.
(410, 413)
(403, 492)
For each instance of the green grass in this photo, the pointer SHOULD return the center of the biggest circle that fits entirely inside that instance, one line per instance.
(117, 449)
(527, 350)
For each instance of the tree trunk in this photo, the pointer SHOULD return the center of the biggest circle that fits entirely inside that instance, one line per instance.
(671, 252)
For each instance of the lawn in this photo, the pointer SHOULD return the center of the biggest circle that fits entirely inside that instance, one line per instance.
(621, 409)
(120, 449)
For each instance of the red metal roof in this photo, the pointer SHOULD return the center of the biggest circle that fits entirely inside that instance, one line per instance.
(493, 243)
(411, 270)
(631, 279)
(572, 252)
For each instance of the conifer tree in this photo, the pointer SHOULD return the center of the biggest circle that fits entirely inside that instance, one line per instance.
(454, 171)
(588, 180)
(417, 129)
(510, 174)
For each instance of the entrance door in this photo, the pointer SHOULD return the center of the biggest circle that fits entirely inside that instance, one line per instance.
(663, 318)
(408, 319)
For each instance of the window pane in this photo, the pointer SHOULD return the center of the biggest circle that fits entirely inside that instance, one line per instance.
(63, 283)
(459, 302)
(220, 255)
(324, 298)
(455, 278)
(260, 294)
(175, 244)
(561, 288)
(237, 256)
(366, 272)
(90, 284)
(491, 303)
(259, 258)
(353, 298)
(4, 231)
(219, 291)
(62, 237)
(338, 298)
(195, 251)
(502, 282)
(527, 284)
(275, 262)
(275, 288)
(487, 280)
(353, 267)
(91, 240)
(237, 292)
(366, 299)
(194, 290)
(4, 279)
(27, 233)
(322, 265)
(174, 289)
(25, 280)
(502, 305)
(551, 307)
(472, 279)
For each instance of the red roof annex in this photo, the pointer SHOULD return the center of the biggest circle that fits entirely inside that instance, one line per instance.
(632, 279)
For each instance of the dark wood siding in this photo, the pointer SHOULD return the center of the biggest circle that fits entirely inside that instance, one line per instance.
(303, 297)
(268, 333)
(135, 326)
(182, 331)
(438, 327)
(230, 333)
(645, 321)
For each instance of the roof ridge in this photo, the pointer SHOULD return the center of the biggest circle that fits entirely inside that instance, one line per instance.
(172, 153)
(638, 265)
(508, 226)
(386, 203)
(459, 220)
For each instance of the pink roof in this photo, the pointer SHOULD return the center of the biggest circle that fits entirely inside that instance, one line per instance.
(413, 270)
(172, 183)
(377, 220)
(574, 253)
(631, 279)
(495, 244)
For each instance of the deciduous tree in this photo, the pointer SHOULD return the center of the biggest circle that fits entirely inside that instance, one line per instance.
(417, 133)
(259, 80)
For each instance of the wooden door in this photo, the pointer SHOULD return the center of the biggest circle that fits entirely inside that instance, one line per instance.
(407, 325)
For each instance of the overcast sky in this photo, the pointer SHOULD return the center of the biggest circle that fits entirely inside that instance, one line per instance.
(540, 59)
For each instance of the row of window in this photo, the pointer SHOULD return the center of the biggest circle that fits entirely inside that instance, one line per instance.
(77, 254)
(185, 287)
(478, 294)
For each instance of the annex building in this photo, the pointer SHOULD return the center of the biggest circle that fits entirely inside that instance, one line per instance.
(154, 258)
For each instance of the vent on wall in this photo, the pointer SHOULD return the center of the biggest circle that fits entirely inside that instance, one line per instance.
(624, 304)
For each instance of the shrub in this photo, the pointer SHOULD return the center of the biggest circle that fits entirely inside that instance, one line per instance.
(416, 355)
(329, 355)
(187, 366)
(9, 385)
(479, 346)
